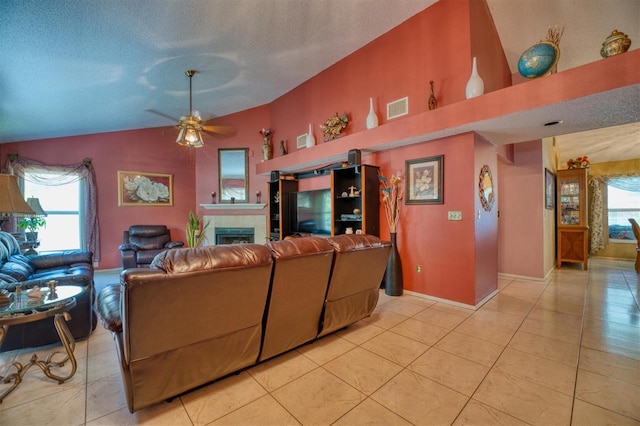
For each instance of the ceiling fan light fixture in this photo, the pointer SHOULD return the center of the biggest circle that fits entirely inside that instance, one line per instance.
(190, 137)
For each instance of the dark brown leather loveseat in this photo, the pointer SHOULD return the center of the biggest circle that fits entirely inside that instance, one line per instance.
(67, 268)
(199, 314)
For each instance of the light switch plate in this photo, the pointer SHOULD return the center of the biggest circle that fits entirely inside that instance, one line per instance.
(455, 215)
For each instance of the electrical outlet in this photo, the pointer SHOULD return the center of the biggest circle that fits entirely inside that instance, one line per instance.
(419, 268)
(455, 215)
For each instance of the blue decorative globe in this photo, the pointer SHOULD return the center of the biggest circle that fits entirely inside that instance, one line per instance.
(538, 60)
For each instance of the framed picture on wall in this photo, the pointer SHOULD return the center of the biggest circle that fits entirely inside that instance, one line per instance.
(549, 189)
(424, 177)
(144, 189)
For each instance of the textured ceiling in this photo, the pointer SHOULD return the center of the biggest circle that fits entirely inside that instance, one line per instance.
(75, 67)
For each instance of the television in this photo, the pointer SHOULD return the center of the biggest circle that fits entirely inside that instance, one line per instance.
(311, 212)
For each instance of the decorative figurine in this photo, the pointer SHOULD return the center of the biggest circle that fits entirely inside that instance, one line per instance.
(258, 197)
(283, 148)
(433, 102)
(213, 197)
(35, 292)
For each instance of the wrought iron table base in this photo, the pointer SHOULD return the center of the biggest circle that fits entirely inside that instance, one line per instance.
(69, 345)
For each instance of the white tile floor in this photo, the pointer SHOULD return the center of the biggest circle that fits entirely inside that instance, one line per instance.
(557, 353)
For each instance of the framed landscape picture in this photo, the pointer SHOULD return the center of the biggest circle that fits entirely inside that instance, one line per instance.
(424, 177)
(145, 189)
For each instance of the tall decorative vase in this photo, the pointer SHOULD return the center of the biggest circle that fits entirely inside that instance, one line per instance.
(393, 274)
(475, 85)
(433, 102)
(311, 141)
(267, 150)
(372, 118)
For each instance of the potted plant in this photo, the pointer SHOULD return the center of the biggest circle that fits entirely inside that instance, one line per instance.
(195, 235)
(31, 224)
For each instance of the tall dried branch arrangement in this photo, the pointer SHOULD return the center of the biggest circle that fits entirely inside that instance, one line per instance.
(392, 194)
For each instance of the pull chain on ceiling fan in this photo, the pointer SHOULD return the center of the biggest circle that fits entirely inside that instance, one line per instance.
(190, 134)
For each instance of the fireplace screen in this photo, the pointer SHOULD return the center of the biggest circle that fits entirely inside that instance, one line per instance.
(234, 235)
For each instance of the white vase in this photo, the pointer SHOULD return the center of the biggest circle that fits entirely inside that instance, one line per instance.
(475, 85)
(372, 118)
(311, 141)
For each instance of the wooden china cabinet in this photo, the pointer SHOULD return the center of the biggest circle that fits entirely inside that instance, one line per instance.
(573, 229)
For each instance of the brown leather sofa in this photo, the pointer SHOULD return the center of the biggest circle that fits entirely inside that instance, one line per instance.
(199, 314)
(142, 243)
(67, 268)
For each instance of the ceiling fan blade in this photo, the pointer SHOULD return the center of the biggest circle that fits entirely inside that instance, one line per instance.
(162, 114)
(219, 130)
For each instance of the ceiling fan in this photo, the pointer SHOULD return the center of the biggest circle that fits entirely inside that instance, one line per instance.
(191, 126)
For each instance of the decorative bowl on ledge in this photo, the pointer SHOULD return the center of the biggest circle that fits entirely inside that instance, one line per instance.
(615, 44)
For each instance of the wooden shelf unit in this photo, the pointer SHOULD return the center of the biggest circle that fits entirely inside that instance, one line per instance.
(279, 208)
(362, 178)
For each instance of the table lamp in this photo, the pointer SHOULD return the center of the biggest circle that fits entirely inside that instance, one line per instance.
(11, 199)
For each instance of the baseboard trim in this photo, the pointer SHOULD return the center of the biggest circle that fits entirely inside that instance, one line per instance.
(451, 302)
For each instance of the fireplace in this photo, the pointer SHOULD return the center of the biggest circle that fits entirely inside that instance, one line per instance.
(234, 235)
(256, 222)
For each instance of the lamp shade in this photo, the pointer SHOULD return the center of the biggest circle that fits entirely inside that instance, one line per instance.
(34, 203)
(11, 199)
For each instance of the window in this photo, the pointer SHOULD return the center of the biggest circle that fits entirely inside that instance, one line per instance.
(622, 205)
(62, 203)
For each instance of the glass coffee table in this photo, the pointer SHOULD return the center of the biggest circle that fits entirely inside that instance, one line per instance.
(23, 309)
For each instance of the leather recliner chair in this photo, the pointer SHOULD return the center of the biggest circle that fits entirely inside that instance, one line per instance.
(143, 242)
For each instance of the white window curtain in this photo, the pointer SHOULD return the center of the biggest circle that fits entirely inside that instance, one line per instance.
(68, 173)
(598, 207)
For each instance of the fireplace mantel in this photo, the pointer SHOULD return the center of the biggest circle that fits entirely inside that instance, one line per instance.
(235, 206)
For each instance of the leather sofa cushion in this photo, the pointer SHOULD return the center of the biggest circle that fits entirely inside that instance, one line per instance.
(211, 257)
(23, 261)
(149, 243)
(10, 243)
(17, 270)
(65, 259)
(296, 247)
(109, 308)
(7, 278)
(350, 242)
(145, 257)
(70, 275)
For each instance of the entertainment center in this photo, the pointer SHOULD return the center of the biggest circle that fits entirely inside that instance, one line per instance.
(350, 205)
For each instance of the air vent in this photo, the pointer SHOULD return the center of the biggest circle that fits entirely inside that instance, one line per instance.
(398, 108)
(301, 141)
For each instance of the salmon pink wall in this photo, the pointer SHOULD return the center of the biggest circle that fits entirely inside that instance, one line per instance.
(245, 127)
(485, 45)
(444, 249)
(433, 45)
(486, 224)
(146, 150)
(520, 229)
(400, 63)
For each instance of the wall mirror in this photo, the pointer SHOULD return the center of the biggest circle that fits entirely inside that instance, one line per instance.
(233, 177)
(485, 188)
